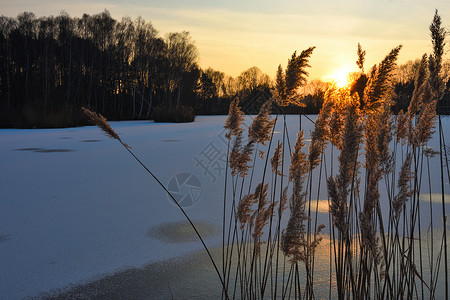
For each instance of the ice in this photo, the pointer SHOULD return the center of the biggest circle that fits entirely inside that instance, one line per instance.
(75, 205)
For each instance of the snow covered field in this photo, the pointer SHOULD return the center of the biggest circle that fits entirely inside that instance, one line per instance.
(75, 206)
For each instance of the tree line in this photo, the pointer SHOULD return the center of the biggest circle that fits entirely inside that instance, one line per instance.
(51, 66)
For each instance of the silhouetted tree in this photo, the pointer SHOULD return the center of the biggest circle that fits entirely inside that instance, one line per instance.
(181, 59)
(120, 69)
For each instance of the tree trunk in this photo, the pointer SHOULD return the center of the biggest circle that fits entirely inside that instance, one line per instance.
(134, 101)
(8, 79)
(69, 67)
(90, 82)
(142, 101)
(27, 55)
(179, 95)
(147, 115)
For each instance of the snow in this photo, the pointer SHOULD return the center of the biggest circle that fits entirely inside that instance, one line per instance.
(75, 205)
(80, 206)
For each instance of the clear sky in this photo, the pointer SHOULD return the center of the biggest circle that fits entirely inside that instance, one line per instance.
(234, 35)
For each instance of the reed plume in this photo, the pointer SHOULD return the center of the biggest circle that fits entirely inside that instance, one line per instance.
(369, 238)
(377, 131)
(425, 99)
(240, 156)
(379, 83)
(279, 93)
(403, 185)
(401, 130)
(296, 73)
(262, 214)
(438, 35)
(276, 159)
(260, 131)
(426, 123)
(261, 127)
(294, 240)
(244, 211)
(320, 134)
(404, 130)
(283, 202)
(361, 58)
(378, 134)
(338, 188)
(339, 100)
(420, 84)
(405, 127)
(234, 120)
(335, 125)
(385, 136)
(103, 124)
(350, 140)
(299, 164)
(288, 82)
(338, 205)
(261, 221)
(235, 162)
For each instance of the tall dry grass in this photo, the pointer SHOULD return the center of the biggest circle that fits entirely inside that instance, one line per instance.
(379, 247)
(375, 243)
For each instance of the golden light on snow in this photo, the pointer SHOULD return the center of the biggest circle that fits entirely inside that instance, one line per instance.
(435, 198)
(322, 206)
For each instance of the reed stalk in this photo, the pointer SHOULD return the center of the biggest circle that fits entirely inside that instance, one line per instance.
(378, 247)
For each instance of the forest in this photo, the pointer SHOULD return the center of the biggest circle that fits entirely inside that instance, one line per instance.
(52, 66)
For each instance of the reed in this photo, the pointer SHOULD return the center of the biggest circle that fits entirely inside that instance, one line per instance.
(375, 241)
(376, 235)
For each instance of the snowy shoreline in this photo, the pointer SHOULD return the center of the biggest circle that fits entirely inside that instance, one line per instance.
(186, 276)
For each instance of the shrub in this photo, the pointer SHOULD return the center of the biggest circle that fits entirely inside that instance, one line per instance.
(178, 114)
(34, 117)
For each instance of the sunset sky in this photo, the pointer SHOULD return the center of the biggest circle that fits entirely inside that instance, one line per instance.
(235, 35)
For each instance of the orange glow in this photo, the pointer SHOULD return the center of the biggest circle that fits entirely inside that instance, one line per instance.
(340, 77)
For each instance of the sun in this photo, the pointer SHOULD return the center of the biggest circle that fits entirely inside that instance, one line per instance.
(340, 77)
